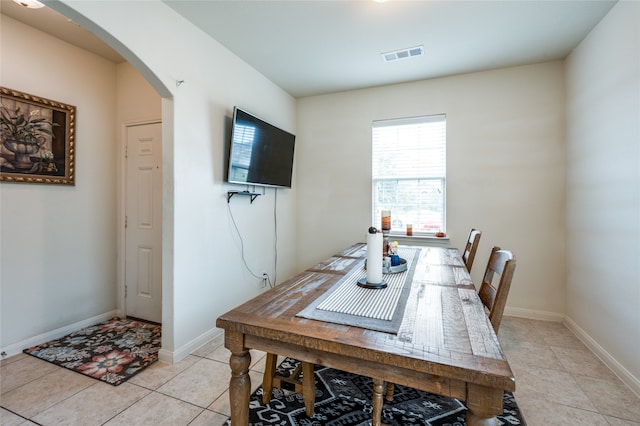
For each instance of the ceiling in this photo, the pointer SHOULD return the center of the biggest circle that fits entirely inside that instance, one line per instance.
(313, 47)
(55, 24)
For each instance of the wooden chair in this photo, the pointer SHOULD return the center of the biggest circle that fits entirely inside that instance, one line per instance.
(502, 263)
(469, 253)
(302, 379)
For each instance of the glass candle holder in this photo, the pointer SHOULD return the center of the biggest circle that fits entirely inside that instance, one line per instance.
(386, 220)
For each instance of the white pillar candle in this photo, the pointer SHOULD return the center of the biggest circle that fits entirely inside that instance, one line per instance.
(374, 258)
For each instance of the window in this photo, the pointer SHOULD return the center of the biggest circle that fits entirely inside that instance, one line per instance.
(409, 173)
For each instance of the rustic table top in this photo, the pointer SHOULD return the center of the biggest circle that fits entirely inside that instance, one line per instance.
(445, 334)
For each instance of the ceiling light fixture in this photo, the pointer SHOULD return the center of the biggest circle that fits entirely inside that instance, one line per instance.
(31, 4)
(410, 52)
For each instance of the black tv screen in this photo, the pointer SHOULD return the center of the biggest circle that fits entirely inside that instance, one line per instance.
(260, 153)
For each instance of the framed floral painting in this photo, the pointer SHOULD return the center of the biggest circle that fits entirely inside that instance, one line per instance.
(37, 139)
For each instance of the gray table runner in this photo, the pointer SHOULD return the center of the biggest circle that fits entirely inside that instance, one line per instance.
(374, 309)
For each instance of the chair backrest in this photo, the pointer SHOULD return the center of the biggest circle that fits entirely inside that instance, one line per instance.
(469, 253)
(502, 263)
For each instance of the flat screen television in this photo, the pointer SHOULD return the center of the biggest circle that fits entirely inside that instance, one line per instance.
(260, 153)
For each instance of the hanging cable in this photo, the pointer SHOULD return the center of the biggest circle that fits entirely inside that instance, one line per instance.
(244, 261)
(275, 237)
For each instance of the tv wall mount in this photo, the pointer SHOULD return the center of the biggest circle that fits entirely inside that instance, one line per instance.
(253, 195)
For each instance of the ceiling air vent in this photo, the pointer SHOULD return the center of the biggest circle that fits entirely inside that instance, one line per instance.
(410, 52)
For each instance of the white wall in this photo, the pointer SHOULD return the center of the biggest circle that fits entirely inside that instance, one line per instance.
(58, 242)
(203, 273)
(505, 174)
(603, 190)
(202, 266)
(136, 98)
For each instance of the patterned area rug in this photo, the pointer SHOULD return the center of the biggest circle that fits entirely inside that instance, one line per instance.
(345, 399)
(113, 351)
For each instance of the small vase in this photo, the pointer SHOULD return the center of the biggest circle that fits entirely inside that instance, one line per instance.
(23, 152)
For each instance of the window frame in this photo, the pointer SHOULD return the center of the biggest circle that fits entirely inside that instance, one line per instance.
(440, 176)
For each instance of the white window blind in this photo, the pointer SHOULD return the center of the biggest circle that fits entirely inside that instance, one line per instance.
(409, 173)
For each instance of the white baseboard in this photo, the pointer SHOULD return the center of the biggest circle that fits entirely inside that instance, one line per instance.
(18, 347)
(618, 369)
(179, 354)
(533, 314)
(165, 356)
(627, 378)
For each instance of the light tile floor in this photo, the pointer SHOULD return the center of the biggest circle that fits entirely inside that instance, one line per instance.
(559, 382)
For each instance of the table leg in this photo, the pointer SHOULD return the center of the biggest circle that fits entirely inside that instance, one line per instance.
(240, 384)
(267, 378)
(309, 387)
(483, 404)
(378, 386)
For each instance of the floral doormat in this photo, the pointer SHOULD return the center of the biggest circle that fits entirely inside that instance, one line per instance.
(113, 351)
(345, 399)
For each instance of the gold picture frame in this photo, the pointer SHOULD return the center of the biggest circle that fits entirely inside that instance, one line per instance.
(37, 139)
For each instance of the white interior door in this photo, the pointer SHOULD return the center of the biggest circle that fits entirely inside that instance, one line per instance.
(143, 223)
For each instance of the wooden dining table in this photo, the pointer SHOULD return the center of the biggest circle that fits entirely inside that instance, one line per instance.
(445, 343)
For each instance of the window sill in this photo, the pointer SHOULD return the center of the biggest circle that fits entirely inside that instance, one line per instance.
(418, 239)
